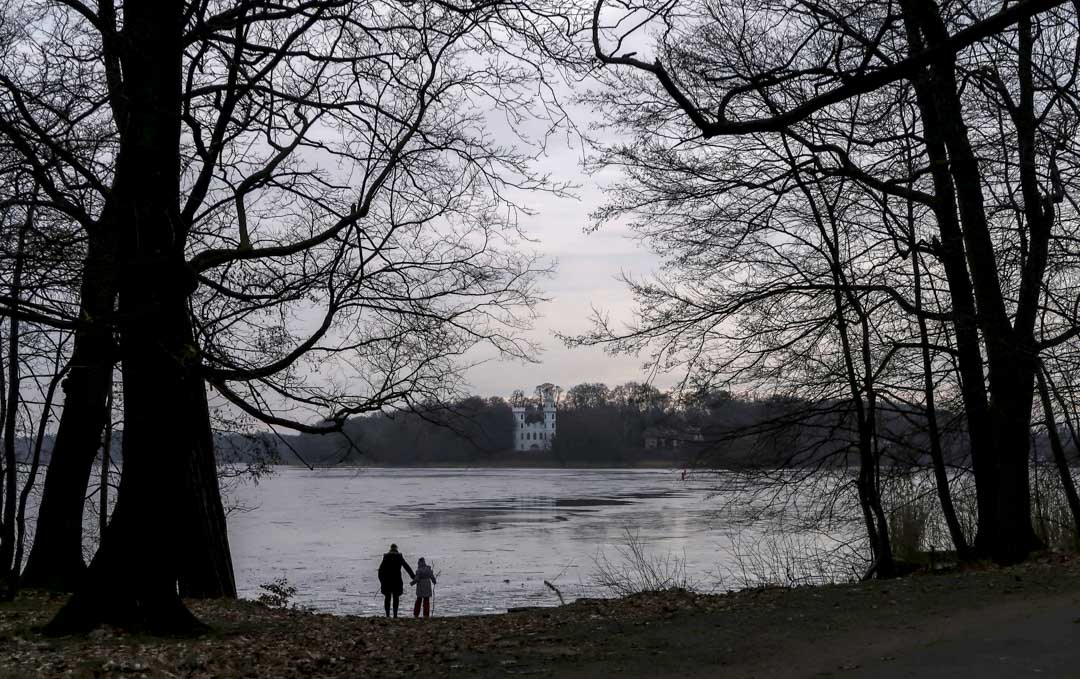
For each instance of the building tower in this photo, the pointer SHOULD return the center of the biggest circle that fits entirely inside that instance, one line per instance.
(534, 427)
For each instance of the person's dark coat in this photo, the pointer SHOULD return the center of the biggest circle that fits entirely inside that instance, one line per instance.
(390, 573)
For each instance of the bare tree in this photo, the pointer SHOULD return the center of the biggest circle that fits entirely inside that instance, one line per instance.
(34, 362)
(305, 213)
(992, 170)
(1057, 448)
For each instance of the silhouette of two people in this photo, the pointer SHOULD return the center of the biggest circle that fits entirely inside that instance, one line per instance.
(392, 585)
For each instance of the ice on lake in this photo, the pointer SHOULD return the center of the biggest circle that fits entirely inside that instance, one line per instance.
(493, 535)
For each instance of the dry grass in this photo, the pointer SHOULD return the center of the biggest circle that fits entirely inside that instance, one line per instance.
(635, 570)
(1050, 513)
(794, 560)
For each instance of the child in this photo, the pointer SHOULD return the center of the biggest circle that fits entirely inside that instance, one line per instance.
(423, 580)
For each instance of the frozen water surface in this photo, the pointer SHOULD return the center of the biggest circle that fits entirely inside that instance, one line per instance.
(493, 535)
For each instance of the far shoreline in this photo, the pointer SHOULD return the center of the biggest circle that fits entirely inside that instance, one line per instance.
(652, 465)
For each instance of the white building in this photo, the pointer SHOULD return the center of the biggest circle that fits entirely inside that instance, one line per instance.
(536, 430)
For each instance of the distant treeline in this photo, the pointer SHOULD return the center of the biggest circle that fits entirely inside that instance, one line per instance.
(630, 424)
(473, 430)
(597, 425)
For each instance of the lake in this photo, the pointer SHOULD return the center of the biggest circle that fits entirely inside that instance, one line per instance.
(492, 535)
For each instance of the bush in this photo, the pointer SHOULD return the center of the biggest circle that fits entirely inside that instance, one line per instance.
(1050, 514)
(638, 571)
(277, 594)
(911, 512)
(783, 559)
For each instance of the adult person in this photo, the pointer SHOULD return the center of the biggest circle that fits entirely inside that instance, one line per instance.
(424, 579)
(390, 582)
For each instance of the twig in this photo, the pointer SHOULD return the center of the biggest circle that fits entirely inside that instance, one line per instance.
(553, 588)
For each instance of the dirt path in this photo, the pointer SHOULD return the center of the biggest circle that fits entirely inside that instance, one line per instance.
(1019, 622)
(1032, 638)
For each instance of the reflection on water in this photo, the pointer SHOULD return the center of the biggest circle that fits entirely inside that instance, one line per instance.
(492, 535)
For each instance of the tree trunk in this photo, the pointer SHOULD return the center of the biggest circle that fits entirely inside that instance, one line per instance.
(56, 557)
(871, 457)
(150, 542)
(1011, 411)
(9, 570)
(866, 484)
(1012, 353)
(207, 566)
(1062, 463)
(998, 426)
(968, 347)
(103, 472)
(35, 460)
(937, 457)
(132, 580)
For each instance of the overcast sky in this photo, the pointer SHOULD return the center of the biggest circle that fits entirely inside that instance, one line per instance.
(588, 265)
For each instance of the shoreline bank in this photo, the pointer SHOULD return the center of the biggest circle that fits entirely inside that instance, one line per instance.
(1018, 619)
